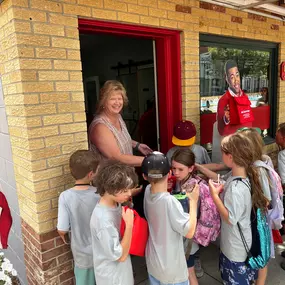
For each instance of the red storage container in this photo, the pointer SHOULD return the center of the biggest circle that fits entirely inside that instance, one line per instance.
(140, 234)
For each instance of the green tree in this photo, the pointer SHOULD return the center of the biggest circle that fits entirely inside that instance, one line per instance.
(250, 62)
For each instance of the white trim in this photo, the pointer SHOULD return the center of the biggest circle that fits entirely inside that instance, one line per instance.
(256, 4)
(156, 95)
(234, 6)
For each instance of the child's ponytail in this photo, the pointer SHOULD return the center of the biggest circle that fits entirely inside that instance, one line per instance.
(257, 196)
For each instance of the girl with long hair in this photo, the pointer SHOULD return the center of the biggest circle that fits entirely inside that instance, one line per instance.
(241, 192)
(183, 163)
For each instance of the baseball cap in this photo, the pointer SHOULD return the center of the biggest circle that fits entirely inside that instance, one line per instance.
(155, 165)
(184, 133)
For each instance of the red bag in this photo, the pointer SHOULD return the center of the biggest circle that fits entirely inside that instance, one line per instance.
(240, 110)
(277, 238)
(140, 234)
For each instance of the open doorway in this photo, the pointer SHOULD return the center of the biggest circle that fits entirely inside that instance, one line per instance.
(131, 61)
(147, 61)
(166, 46)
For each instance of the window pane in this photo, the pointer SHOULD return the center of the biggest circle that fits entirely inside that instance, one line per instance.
(254, 70)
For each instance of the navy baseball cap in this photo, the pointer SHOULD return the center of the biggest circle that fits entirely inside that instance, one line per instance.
(155, 165)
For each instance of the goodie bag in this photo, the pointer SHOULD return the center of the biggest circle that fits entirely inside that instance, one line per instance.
(139, 236)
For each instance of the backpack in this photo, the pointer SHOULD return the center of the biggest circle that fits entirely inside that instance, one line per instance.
(259, 253)
(208, 219)
(276, 212)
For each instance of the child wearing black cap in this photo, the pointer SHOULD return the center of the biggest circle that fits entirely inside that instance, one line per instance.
(168, 224)
(184, 135)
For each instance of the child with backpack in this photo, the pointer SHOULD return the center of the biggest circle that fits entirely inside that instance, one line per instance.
(235, 201)
(271, 186)
(75, 207)
(183, 163)
(168, 224)
(112, 263)
(184, 136)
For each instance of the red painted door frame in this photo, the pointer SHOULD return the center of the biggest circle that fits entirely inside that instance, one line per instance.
(168, 68)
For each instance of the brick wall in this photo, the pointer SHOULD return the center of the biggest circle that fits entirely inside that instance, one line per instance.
(42, 82)
(48, 260)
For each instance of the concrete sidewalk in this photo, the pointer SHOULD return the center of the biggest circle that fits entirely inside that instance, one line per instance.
(209, 259)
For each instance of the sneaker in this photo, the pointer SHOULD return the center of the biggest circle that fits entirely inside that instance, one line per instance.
(283, 253)
(283, 265)
(198, 268)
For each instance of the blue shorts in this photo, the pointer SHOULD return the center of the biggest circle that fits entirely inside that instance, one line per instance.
(234, 273)
(153, 281)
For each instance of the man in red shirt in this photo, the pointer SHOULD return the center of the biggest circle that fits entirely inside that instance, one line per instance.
(224, 113)
(224, 126)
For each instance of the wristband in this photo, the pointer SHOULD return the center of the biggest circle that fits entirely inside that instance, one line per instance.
(137, 146)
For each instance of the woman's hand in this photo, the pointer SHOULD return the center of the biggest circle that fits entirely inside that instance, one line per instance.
(215, 189)
(144, 149)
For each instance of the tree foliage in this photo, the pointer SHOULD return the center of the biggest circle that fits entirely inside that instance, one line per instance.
(250, 62)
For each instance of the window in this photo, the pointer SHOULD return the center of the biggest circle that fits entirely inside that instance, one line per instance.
(257, 66)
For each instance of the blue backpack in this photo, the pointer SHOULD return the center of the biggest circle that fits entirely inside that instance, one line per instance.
(259, 253)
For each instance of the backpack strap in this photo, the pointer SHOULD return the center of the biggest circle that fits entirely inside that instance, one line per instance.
(244, 241)
(238, 224)
(242, 180)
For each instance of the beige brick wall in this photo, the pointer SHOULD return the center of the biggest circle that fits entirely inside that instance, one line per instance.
(41, 72)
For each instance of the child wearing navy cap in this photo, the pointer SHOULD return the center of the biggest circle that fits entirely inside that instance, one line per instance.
(167, 223)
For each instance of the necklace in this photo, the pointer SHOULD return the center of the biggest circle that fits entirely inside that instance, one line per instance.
(83, 184)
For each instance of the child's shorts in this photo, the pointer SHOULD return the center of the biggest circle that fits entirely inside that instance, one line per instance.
(153, 281)
(191, 260)
(84, 276)
(236, 272)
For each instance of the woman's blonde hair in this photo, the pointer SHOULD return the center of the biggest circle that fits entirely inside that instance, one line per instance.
(241, 148)
(106, 91)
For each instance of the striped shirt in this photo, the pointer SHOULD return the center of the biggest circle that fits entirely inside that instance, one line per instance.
(122, 136)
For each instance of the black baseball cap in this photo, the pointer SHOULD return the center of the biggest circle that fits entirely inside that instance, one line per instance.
(155, 165)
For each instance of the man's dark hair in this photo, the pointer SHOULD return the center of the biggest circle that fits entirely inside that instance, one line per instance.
(82, 162)
(230, 64)
(113, 177)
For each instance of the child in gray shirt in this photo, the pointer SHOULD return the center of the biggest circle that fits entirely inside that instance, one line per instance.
(75, 207)
(112, 263)
(168, 224)
(235, 201)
